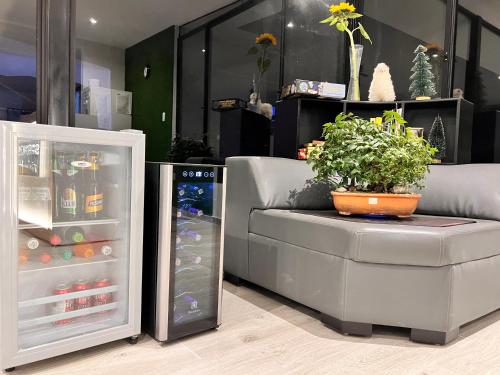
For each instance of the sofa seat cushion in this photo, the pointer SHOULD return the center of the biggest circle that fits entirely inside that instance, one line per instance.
(380, 243)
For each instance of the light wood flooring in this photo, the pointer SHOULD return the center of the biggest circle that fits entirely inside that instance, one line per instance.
(263, 333)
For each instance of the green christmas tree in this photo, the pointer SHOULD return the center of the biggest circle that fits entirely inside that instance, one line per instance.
(422, 79)
(437, 138)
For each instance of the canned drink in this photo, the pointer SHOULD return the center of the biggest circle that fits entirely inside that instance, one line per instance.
(104, 298)
(82, 302)
(63, 306)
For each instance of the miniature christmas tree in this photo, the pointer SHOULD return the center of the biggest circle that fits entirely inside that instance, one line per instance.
(422, 79)
(437, 139)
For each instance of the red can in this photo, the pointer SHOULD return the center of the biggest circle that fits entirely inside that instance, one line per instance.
(82, 302)
(103, 298)
(64, 306)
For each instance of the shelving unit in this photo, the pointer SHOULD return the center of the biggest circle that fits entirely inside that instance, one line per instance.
(300, 120)
(62, 224)
(61, 263)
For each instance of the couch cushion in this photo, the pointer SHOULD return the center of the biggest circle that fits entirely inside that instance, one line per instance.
(380, 243)
(469, 190)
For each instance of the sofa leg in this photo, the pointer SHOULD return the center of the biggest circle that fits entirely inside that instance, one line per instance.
(433, 337)
(347, 328)
(235, 280)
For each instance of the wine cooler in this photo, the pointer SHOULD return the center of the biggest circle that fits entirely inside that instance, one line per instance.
(71, 231)
(183, 249)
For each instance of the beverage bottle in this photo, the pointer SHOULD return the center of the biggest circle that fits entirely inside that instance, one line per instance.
(63, 306)
(63, 252)
(44, 257)
(23, 257)
(104, 248)
(69, 201)
(85, 250)
(94, 196)
(27, 242)
(58, 165)
(60, 236)
(82, 302)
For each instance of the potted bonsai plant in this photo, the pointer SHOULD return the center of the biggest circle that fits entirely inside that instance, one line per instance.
(373, 168)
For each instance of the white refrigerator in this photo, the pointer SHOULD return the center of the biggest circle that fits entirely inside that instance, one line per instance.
(71, 214)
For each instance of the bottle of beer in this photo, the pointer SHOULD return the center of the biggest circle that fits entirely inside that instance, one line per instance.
(94, 196)
(69, 201)
(58, 166)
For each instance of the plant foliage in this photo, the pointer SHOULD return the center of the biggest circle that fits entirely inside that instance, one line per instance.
(362, 156)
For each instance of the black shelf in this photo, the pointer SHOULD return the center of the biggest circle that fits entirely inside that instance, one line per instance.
(300, 120)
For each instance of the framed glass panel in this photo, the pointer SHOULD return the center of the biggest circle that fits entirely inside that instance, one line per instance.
(396, 37)
(18, 61)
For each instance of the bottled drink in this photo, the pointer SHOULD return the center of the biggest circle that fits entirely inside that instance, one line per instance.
(82, 302)
(69, 200)
(58, 167)
(103, 298)
(60, 236)
(63, 306)
(94, 196)
(26, 242)
(44, 257)
(64, 253)
(104, 248)
(23, 257)
(85, 250)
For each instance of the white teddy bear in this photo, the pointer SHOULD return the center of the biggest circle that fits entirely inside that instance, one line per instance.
(381, 88)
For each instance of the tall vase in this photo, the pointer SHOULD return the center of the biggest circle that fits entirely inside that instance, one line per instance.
(355, 55)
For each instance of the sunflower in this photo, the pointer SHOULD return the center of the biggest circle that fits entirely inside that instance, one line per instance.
(342, 7)
(266, 39)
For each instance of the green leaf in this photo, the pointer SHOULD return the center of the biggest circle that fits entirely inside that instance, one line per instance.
(253, 51)
(327, 20)
(341, 26)
(354, 15)
(364, 33)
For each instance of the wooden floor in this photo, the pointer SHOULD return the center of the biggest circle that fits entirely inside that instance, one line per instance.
(265, 334)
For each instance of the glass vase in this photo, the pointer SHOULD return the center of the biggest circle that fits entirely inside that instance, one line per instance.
(355, 55)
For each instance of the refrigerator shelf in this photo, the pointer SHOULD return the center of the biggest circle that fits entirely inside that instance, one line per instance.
(62, 224)
(23, 324)
(64, 297)
(60, 264)
(42, 335)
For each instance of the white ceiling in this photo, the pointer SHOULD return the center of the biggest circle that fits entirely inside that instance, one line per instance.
(489, 10)
(121, 23)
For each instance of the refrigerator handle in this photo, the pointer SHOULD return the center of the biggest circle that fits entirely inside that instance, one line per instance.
(221, 255)
(164, 253)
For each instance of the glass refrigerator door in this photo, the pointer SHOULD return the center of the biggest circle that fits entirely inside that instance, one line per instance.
(73, 239)
(196, 238)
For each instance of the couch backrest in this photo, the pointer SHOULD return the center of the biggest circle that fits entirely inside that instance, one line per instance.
(281, 183)
(470, 190)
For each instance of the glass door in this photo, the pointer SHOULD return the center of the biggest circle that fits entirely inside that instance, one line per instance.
(73, 239)
(196, 238)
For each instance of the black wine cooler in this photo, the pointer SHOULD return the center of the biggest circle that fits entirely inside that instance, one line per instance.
(183, 249)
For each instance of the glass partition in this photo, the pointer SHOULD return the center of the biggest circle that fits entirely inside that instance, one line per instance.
(18, 61)
(232, 69)
(396, 29)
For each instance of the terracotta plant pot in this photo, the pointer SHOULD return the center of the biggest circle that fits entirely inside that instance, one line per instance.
(401, 205)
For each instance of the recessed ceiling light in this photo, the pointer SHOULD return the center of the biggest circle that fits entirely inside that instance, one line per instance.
(498, 77)
(92, 20)
(203, 50)
(435, 55)
(290, 25)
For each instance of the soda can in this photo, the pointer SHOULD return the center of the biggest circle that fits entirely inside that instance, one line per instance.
(103, 298)
(64, 306)
(82, 302)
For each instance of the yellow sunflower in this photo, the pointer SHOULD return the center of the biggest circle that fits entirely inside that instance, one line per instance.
(342, 7)
(266, 38)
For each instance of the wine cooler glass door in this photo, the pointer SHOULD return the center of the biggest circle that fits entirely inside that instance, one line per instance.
(196, 243)
(72, 239)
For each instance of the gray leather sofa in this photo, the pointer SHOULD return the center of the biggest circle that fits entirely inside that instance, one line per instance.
(431, 280)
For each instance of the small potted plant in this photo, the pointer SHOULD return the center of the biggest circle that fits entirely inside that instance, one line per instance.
(373, 168)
